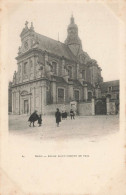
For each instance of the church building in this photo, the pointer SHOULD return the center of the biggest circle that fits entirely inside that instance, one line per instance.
(51, 72)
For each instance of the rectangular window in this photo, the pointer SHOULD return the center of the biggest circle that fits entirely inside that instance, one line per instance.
(76, 95)
(54, 67)
(60, 95)
(84, 74)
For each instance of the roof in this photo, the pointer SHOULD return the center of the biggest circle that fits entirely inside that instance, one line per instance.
(55, 47)
(104, 86)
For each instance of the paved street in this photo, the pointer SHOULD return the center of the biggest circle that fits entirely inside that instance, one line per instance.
(82, 127)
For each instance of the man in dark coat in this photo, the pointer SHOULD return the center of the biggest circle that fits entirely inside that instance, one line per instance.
(34, 117)
(65, 115)
(58, 117)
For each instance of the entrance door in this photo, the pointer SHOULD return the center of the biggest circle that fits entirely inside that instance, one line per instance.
(26, 107)
(100, 107)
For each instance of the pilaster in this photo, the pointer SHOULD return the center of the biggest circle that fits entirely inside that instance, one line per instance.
(71, 94)
(53, 90)
(108, 105)
(85, 92)
(93, 106)
(43, 98)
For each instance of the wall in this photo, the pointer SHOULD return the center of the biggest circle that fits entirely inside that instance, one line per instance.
(9, 100)
(112, 108)
(85, 109)
(51, 109)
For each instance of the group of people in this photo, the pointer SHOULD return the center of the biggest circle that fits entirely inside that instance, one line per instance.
(58, 115)
(35, 117)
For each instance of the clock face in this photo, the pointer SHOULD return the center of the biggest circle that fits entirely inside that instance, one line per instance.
(26, 45)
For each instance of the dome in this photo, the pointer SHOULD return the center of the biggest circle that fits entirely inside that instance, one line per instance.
(72, 24)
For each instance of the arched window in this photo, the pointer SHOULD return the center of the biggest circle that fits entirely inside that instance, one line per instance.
(89, 95)
(31, 64)
(61, 95)
(84, 74)
(54, 67)
(70, 71)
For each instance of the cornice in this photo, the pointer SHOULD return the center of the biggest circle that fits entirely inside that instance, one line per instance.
(29, 82)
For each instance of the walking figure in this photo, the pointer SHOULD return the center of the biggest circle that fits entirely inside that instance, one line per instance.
(58, 117)
(34, 117)
(65, 115)
(62, 114)
(40, 120)
(72, 114)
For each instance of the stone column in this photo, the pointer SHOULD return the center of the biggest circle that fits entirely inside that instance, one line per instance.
(30, 102)
(96, 92)
(29, 69)
(53, 91)
(99, 93)
(78, 71)
(43, 97)
(108, 105)
(91, 77)
(85, 92)
(93, 106)
(63, 65)
(70, 91)
(33, 101)
(34, 64)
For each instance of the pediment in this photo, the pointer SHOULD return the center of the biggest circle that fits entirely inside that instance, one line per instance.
(23, 93)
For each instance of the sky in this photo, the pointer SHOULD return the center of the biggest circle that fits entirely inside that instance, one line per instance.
(97, 25)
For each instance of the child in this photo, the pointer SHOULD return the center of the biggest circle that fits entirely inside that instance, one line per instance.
(72, 114)
(40, 120)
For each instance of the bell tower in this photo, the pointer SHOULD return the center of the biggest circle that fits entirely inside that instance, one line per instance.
(73, 41)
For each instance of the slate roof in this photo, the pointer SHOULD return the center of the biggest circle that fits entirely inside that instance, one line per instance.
(105, 85)
(55, 47)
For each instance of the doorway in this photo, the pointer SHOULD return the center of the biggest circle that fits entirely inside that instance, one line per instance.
(26, 107)
(100, 107)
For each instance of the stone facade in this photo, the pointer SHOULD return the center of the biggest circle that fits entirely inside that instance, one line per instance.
(50, 72)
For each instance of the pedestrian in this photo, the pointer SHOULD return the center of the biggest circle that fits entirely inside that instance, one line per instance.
(34, 117)
(62, 115)
(65, 115)
(58, 117)
(40, 120)
(72, 114)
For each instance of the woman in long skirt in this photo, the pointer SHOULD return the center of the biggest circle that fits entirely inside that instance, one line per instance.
(58, 117)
